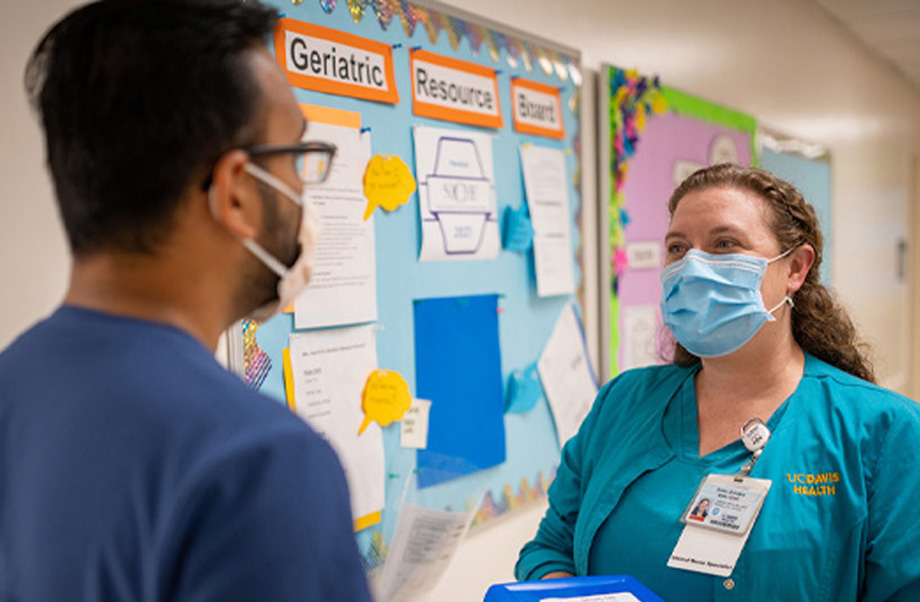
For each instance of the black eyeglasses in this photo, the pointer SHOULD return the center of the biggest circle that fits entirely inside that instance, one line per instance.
(314, 159)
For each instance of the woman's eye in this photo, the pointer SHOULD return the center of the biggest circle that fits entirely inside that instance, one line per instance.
(726, 244)
(676, 249)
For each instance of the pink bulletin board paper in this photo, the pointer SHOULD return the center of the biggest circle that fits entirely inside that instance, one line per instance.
(669, 138)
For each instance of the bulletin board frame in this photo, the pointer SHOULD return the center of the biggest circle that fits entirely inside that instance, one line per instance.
(527, 320)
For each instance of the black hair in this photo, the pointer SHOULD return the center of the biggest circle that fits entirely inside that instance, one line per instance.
(137, 98)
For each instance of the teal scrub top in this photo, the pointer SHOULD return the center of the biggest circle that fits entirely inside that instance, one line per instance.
(840, 522)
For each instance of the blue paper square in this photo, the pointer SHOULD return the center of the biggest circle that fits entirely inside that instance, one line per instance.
(458, 367)
(518, 229)
(524, 390)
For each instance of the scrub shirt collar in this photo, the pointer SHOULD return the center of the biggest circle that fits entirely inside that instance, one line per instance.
(682, 432)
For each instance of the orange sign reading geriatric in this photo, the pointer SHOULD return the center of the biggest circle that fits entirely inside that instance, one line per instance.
(454, 90)
(327, 60)
(537, 109)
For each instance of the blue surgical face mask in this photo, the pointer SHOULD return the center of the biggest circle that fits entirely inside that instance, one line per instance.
(712, 303)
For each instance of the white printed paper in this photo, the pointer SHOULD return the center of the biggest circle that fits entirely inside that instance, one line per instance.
(537, 109)
(456, 194)
(706, 551)
(683, 170)
(566, 374)
(618, 597)
(329, 368)
(423, 545)
(438, 85)
(638, 339)
(343, 289)
(301, 48)
(414, 425)
(546, 184)
(643, 255)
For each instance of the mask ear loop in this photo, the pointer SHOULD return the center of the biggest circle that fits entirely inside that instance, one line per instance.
(786, 300)
(269, 179)
(252, 246)
(783, 254)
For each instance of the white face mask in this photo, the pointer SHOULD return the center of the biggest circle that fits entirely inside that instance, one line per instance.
(292, 280)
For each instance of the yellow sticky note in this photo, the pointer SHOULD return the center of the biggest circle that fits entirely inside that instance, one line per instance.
(368, 520)
(288, 378)
(387, 183)
(385, 399)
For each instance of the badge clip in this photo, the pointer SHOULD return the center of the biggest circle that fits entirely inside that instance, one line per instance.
(754, 435)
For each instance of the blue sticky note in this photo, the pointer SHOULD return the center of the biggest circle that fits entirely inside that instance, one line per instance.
(458, 367)
(518, 229)
(524, 390)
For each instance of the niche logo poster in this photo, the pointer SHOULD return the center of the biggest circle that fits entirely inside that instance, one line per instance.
(456, 187)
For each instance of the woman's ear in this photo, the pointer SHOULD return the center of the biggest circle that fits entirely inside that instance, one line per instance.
(232, 196)
(800, 262)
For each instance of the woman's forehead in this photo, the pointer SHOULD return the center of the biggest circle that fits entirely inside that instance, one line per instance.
(723, 206)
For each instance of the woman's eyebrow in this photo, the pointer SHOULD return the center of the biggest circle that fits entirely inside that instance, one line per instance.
(725, 229)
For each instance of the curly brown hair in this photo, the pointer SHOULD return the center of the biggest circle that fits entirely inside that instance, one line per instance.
(819, 324)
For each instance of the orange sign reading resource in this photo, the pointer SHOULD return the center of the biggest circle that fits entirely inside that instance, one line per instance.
(537, 109)
(327, 60)
(454, 90)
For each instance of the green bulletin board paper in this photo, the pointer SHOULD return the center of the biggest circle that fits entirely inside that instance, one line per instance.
(704, 110)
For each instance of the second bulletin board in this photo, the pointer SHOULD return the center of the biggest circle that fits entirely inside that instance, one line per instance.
(525, 319)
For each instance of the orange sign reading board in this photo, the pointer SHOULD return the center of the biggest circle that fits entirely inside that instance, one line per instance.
(537, 109)
(327, 60)
(454, 90)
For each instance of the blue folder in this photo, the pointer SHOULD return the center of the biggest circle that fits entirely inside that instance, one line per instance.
(571, 587)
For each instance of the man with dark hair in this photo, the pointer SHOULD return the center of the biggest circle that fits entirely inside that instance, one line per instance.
(132, 466)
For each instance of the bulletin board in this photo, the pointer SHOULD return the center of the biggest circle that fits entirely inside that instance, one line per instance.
(807, 166)
(651, 137)
(525, 320)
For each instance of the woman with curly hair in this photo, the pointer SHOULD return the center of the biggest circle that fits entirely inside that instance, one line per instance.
(759, 340)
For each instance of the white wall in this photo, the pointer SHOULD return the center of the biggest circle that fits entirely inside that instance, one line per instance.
(786, 62)
(33, 253)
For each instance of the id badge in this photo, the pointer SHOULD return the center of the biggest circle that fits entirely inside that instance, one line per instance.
(717, 523)
(726, 505)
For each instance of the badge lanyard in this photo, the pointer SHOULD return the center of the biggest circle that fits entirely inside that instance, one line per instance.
(722, 512)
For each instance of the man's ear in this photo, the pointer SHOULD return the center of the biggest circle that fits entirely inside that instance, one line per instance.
(231, 195)
(800, 264)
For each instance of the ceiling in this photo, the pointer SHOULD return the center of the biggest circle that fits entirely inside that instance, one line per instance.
(891, 28)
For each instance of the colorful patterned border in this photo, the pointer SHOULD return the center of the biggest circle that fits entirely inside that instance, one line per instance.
(256, 362)
(518, 52)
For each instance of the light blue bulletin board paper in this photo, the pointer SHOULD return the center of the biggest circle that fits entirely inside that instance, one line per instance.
(458, 367)
(526, 320)
(813, 179)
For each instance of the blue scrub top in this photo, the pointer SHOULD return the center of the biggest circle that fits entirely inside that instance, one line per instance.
(650, 509)
(839, 523)
(134, 467)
